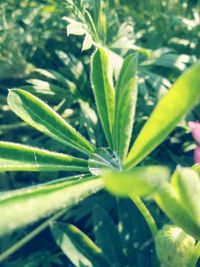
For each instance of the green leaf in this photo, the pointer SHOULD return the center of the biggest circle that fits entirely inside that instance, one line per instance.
(101, 75)
(168, 200)
(126, 95)
(91, 25)
(141, 181)
(21, 207)
(186, 182)
(74, 27)
(183, 95)
(107, 237)
(16, 157)
(45, 88)
(134, 233)
(97, 13)
(40, 116)
(87, 43)
(79, 248)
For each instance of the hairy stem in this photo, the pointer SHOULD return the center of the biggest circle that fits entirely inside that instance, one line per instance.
(146, 214)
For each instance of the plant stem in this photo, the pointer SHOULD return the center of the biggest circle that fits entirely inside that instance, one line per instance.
(30, 236)
(146, 214)
(195, 256)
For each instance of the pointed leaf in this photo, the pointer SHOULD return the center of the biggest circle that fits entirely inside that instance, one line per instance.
(87, 43)
(107, 237)
(168, 200)
(126, 94)
(187, 185)
(101, 75)
(140, 181)
(21, 207)
(79, 248)
(16, 157)
(40, 116)
(97, 13)
(183, 95)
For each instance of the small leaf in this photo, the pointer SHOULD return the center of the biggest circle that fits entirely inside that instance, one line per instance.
(140, 181)
(101, 75)
(45, 88)
(183, 95)
(21, 207)
(74, 27)
(87, 43)
(186, 182)
(107, 237)
(40, 116)
(77, 246)
(16, 157)
(126, 94)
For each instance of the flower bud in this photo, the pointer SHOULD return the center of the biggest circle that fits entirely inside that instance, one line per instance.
(174, 247)
(197, 155)
(195, 128)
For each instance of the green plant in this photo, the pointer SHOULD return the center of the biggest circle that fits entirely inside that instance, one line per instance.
(130, 236)
(116, 111)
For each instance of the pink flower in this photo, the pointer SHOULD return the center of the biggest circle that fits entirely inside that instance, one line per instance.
(195, 127)
(197, 155)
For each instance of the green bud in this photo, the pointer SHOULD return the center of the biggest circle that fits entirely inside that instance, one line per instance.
(174, 247)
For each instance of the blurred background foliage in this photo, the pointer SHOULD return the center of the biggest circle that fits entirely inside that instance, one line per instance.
(50, 57)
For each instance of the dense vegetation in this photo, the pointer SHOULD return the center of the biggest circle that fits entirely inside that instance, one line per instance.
(100, 133)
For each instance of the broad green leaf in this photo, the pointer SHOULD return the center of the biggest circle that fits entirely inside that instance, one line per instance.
(140, 181)
(168, 200)
(40, 116)
(107, 237)
(77, 246)
(182, 96)
(186, 183)
(16, 157)
(21, 207)
(125, 103)
(101, 75)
